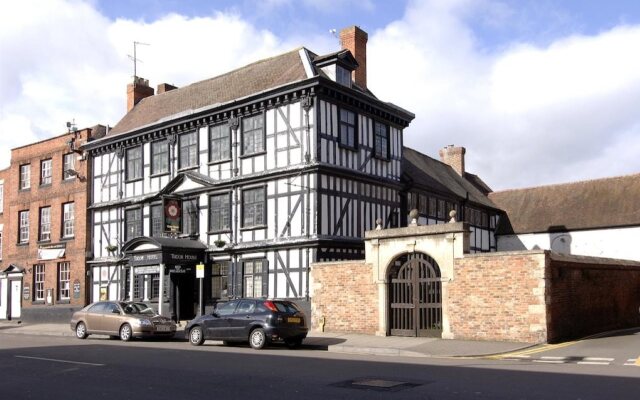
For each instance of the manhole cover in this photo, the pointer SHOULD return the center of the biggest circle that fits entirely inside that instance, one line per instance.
(377, 384)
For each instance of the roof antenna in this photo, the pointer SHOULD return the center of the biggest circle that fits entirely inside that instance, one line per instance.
(136, 59)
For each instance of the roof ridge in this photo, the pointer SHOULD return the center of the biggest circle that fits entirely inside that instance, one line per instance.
(610, 178)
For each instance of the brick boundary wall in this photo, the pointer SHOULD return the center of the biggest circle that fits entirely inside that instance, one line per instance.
(499, 296)
(590, 295)
(346, 296)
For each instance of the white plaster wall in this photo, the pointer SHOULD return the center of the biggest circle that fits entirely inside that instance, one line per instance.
(619, 243)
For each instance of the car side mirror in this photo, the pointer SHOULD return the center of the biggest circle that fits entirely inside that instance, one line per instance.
(215, 314)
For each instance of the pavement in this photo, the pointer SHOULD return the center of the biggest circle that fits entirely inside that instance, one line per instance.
(334, 342)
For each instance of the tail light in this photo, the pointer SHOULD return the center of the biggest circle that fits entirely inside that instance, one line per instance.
(269, 304)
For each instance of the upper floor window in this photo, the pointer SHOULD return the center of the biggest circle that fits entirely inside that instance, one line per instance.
(68, 220)
(219, 142)
(253, 134)
(0, 244)
(25, 176)
(68, 166)
(381, 145)
(191, 215)
(134, 163)
(348, 129)
(188, 144)
(45, 224)
(253, 207)
(133, 223)
(159, 157)
(45, 172)
(343, 76)
(156, 220)
(23, 235)
(219, 212)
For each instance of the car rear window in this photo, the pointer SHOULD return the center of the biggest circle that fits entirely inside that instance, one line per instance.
(285, 307)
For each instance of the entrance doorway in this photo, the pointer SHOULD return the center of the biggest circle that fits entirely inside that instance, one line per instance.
(415, 296)
(15, 299)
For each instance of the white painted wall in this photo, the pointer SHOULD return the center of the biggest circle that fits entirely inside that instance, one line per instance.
(619, 243)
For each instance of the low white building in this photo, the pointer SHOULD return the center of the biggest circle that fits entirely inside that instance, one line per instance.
(598, 218)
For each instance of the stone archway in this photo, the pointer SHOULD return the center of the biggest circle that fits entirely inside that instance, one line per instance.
(414, 296)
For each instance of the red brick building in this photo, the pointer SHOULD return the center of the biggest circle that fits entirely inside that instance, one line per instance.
(44, 228)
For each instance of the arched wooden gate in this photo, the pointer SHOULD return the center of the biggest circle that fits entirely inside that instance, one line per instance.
(415, 297)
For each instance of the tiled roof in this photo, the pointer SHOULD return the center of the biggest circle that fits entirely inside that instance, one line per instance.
(441, 178)
(250, 79)
(599, 203)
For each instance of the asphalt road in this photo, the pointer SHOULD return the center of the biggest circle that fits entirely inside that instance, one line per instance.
(36, 367)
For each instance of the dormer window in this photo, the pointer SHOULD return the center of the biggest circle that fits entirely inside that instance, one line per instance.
(343, 76)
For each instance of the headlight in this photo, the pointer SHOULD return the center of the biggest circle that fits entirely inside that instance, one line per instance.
(145, 322)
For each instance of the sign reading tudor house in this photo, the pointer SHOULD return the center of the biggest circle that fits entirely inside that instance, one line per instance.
(164, 257)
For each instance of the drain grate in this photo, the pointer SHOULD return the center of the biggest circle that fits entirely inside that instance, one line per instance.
(377, 384)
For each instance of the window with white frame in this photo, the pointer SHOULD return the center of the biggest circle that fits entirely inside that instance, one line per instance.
(188, 150)
(23, 235)
(64, 280)
(25, 176)
(219, 211)
(191, 214)
(0, 244)
(133, 221)
(45, 172)
(253, 134)
(68, 220)
(160, 157)
(1, 197)
(253, 274)
(156, 220)
(45, 224)
(219, 142)
(253, 207)
(134, 163)
(38, 282)
(348, 129)
(381, 145)
(68, 166)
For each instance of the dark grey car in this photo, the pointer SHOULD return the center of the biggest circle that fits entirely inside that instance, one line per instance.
(257, 321)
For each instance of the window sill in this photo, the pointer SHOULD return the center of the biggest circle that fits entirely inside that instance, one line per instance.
(259, 153)
(133, 180)
(253, 228)
(159, 174)
(43, 241)
(45, 185)
(67, 238)
(25, 189)
(347, 147)
(22, 244)
(68, 180)
(216, 162)
(381, 158)
(191, 168)
(219, 232)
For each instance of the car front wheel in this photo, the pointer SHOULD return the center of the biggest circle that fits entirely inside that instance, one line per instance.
(125, 333)
(257, 339)
(81, 331)
(196, 337)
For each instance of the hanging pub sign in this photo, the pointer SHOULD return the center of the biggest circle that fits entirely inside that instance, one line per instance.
(172, 214)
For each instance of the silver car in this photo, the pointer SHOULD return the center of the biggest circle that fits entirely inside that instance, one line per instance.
(121, 319)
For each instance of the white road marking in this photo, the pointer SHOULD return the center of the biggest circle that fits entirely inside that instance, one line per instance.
(553, 358)
(597, 359)
(61, 361)
(550, 361)
(593, 362)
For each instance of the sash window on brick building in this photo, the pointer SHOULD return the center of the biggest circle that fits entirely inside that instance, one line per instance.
(68, 220)
(23, 217)
(25, 176)
(38, 282)
(68, 165)
(45, 224)
(64, 278)
(45, 172)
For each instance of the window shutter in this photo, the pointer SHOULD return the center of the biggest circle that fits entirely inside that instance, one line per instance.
(265, 278)
(237, 273)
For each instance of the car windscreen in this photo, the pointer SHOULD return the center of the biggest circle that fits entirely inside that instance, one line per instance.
(137, 308)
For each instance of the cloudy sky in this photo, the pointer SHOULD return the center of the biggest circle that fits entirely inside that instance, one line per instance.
(538, 91)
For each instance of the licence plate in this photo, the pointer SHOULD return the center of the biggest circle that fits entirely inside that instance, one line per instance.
(162, 328)
(293, 320)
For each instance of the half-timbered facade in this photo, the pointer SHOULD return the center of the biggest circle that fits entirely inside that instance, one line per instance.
(270, 167)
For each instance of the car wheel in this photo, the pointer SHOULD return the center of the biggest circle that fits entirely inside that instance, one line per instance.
(196, 337)
(293, 343)
(257, 339)
(125, 333)
(81, 331)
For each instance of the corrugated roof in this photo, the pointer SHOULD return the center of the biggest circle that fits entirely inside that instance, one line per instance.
(440, 177)
(250, 79)
(590, 204)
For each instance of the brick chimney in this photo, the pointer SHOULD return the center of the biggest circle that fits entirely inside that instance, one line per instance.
(137, 91)
(165, 87)
(453, 157)
(355, 39)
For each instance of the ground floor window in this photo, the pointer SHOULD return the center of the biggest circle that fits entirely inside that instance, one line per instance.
(219, 280)
(64, 278)
(38, 282)
(106, 283)
(253, 275)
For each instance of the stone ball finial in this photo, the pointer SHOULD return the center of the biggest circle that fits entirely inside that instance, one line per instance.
(452, 214)
(413, 214)
(379, 224)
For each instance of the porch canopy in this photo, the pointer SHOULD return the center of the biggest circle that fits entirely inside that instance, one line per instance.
(145, 250)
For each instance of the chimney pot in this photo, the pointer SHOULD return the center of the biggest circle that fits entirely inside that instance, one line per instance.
(355, 39)
(453, 157)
